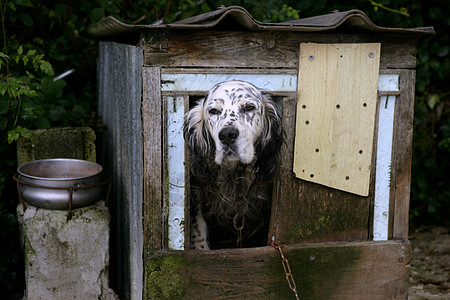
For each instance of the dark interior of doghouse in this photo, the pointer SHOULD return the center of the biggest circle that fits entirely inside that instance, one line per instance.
(227, 237)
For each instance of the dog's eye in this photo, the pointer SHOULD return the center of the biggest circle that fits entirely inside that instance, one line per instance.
(249, 107)
(214, 111)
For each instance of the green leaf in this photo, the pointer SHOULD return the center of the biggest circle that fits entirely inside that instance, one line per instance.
(4, 105)
(31, 52)
(26, 3)
(56, 113)
(30, 75)
(27, 91)
(11, 6)
(79, 110)
(42, 122)
(25, 59)
(16, 133)
(26, 19)
(12, 86)
(432, 100)
(12, 136)
(3, 87)
(4, 56)
(3, 124)
(46, 67)
(31, 111)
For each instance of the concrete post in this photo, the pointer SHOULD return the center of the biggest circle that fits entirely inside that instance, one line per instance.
(66, 259)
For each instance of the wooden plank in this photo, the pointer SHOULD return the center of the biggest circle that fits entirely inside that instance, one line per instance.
(307, 212)
(364, 270)
(153, 177)
(237, 49)
(120, 100)
(402, 156)
(337, 88)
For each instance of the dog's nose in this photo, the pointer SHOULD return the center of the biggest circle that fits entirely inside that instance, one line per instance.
(228, 135)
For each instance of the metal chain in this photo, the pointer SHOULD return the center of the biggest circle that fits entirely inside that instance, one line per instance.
(238, 226)
(239, 218)
(287, 270)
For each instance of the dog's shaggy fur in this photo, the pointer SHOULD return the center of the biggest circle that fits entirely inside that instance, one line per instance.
(234, 135)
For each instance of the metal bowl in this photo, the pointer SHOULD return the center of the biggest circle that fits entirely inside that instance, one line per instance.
(48, 183)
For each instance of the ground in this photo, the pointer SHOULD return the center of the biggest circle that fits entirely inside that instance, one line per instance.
(430, 266)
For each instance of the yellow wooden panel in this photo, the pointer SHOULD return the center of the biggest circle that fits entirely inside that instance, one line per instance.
(337, 88)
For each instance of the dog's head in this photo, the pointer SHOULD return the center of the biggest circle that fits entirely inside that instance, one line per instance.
(235, 122)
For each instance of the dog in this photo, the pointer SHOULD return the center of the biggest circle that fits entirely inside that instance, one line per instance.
(234, 136)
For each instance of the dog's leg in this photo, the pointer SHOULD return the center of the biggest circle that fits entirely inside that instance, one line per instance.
(199, 232)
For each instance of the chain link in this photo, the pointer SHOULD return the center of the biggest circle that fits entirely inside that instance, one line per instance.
(287, 270)
(239, 224)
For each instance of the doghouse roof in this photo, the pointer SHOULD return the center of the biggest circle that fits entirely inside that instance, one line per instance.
(234, 17)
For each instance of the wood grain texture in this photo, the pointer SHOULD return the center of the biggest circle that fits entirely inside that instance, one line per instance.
(153, 177)
(337, 87)
(237, 49)
(308, 212)
(365, 270)
(402, 156)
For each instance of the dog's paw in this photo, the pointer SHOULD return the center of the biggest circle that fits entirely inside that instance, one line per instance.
(199, 233)
(199, 245)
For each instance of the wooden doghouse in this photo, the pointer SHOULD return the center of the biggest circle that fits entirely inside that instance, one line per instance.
(340, 206)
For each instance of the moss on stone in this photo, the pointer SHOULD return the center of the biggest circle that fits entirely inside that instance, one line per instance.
(166, 277)
(68, 142)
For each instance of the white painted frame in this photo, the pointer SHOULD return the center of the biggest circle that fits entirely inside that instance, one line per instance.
(192, 82)
(176, 172)
(386, 84)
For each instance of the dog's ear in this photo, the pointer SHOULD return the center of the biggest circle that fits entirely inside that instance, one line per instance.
(272, 122)
(195, 132)
(271, 139)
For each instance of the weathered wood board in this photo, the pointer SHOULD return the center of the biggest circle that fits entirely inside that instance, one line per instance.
(269, 50)
(337, 86)
(306, 212)
(153, 148)
(363, 270)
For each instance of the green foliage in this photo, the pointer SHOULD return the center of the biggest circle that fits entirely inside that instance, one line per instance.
(18, 94)
(286, 13)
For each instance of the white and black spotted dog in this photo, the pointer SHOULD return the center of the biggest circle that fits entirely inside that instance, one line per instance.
(234, 135)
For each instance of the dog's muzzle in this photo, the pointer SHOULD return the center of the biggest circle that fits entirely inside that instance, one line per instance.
(228, 135)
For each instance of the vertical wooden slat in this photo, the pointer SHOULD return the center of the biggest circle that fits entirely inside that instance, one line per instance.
(401, 161)
(120, 100)
(153, 177)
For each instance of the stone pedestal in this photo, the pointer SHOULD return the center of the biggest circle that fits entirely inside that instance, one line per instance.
(66, 259)
(67, 142)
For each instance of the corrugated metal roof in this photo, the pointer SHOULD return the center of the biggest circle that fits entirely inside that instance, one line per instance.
(234, 16)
